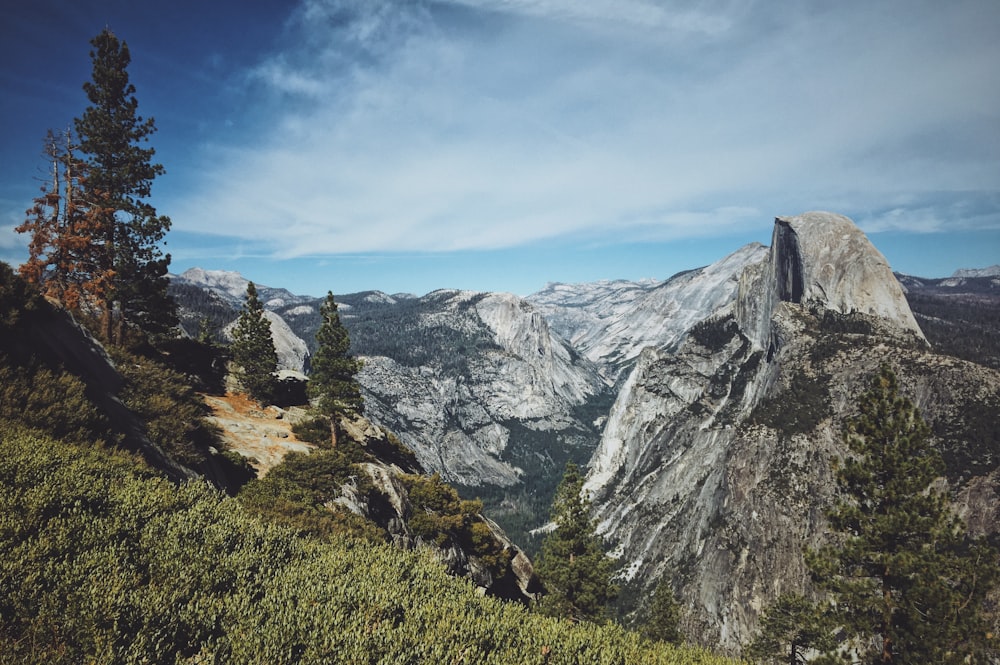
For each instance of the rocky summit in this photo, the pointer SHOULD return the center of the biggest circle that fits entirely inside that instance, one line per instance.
(714, 468)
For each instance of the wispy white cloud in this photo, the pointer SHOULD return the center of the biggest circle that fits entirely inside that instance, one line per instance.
(398, 126)
(698, 18)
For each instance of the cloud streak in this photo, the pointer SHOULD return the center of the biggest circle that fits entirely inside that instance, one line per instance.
(401, 126)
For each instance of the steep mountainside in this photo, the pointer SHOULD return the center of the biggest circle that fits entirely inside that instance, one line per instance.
(715, 465)
(960, 314)
(610, 323)
(60, 381)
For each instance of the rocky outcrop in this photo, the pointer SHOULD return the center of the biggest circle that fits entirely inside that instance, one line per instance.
(264, 436)
(822, 260)
(715, 465)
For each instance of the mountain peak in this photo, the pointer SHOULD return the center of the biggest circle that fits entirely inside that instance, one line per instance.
(824, 259)
(227, 283)
(966, 273)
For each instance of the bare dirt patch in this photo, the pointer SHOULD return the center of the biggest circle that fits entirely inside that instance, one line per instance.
(263, 435)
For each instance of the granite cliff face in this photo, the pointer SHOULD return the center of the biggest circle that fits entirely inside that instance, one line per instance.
(610, 323)
(491, 374)
(715, 466)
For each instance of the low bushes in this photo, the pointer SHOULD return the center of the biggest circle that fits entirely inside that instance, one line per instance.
(102, 562)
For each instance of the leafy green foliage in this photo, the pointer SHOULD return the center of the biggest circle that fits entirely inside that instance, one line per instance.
(50, 400)
(300, 493)
(904, 570)
(253, 349)
(313, 430)
(573, 567)
(441, 517)
(34, 388)
(101, 562)
(173, 413)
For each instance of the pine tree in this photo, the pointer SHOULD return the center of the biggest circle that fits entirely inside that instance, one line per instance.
(664, 622)
(792, 628)
(572, 565)
(332, 382)
(253, 349)
(120, 174)
(907, 583)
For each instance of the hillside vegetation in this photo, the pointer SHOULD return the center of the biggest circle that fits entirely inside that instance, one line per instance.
(103, 561)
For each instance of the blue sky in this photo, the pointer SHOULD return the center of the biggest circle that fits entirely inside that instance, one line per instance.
(497, 145)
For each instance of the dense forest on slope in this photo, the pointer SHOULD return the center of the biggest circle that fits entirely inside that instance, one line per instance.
(959, 317)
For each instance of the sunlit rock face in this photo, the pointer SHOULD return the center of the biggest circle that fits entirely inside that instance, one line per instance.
(506, 371)
(822, 259)
(610, 323)
(714, 468)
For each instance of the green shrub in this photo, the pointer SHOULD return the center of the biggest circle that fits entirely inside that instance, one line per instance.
(313, 430)
(51, 400)
(440, 516)
(101, 562)
(300, 492)
(166, 402)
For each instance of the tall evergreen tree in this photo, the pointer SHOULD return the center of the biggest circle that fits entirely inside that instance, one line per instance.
(792, 629)
(572, 564)
(907, 583)
(120, 174)
(332, 382)
(253, 349)
(664, 623)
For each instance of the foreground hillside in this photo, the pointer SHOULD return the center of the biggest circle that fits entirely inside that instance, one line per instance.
(102, 560)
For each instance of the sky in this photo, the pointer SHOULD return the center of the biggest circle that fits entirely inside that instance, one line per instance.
(497, 145)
